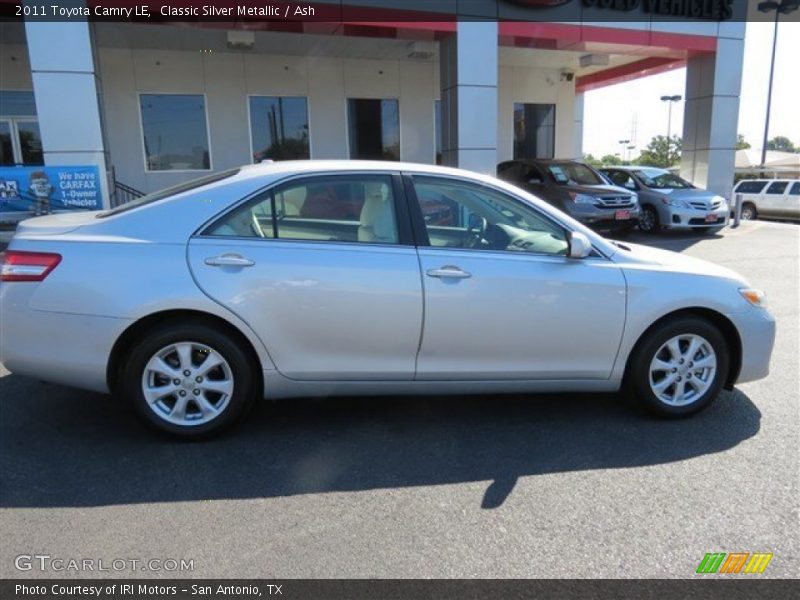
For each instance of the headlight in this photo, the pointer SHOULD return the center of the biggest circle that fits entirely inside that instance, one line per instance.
(722, 202)
(754, 297)
(675, 203)
(582, 198)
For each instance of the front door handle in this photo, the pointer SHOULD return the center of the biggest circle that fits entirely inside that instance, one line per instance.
(229, 260)
(449, 272)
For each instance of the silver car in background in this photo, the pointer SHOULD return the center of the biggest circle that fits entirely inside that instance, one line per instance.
(670, 202)
(319, 278)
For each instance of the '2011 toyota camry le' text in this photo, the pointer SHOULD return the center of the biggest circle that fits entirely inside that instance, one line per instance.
(327, 278)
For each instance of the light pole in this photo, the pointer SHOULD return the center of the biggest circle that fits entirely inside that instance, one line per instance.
(623, 143)
(670, 100)
(784, 7)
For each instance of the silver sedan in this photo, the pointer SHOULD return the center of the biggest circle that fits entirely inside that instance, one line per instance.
(328, 278)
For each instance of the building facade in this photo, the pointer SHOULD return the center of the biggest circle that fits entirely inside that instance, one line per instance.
(152, 105)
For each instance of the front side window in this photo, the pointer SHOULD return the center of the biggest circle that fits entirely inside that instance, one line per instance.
(777, 187)
(175, 132)
(534, 130)
(574, 174)
(374, 129)
(750, 187)
(475, 217)
(323, 209)
(279, 128)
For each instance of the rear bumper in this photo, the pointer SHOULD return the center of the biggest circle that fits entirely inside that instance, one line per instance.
(756, 328)
(62, 348)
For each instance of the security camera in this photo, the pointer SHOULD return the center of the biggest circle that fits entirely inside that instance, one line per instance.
(567, 75)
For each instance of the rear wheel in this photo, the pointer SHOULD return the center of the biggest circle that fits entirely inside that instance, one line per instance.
(749, 212)
(680, 367)
(648, 220)
(189, 379)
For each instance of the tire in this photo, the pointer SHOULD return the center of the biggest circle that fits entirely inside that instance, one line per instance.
(649, 221)
(154, 379)
(749, 212)
(645, 377)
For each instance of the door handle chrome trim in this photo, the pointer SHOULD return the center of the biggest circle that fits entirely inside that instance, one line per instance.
(229, 260)
(449, 272)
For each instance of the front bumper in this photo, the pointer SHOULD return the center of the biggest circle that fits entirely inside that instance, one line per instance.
(756, 328)
(692, 218)
(604, 218)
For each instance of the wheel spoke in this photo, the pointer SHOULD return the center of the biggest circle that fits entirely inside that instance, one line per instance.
(661, 365)
(205, 406)
(707, 362)
(162, 367)
(185, 355)
(694, 346)
(179, 410)
(679, 391)
(223, 386)
(154, 394)
(674, 349)
(664, 383)
(211, 361)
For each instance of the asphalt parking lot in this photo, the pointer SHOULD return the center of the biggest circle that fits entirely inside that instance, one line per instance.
(542, 486)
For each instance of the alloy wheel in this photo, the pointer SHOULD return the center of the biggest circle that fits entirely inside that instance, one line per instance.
(187, 383)
(682, 370)
(647, 220)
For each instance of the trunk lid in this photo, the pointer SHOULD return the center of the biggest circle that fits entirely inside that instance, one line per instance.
(56, 224)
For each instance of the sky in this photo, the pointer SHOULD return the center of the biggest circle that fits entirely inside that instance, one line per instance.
(640, 99)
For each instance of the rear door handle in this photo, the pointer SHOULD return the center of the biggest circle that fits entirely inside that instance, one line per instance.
(449, 272)
(229, 260)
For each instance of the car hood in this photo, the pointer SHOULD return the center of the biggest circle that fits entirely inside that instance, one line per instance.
(690, 194)
(637, 255)
(56, 224)
(596, 190)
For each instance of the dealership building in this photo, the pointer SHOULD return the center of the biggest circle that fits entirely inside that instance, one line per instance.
(154, 104)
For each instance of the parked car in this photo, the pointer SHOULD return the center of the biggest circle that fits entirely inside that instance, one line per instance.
(774, 198)
(670, 202)
(576, 189)
(193, 302)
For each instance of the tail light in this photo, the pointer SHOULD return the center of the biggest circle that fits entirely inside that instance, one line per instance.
(16, 265)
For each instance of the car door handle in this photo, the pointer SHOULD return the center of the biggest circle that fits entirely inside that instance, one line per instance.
(449, 272)
(229, 260)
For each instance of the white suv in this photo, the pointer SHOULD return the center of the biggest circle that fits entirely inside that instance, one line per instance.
(776, 198)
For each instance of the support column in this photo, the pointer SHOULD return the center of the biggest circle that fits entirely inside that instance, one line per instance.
(469, 97)
(711, 116)
(66, 85)
(577, 128)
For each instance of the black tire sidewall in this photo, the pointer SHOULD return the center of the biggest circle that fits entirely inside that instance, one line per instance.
(639, 373)
(244, 377)
(752, 208)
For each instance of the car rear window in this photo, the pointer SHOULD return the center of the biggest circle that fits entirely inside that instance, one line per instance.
(167, 192)
(750, 187)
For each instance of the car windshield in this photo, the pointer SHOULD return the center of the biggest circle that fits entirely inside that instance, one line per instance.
(170, 191)
(662, 180)
(574, 174)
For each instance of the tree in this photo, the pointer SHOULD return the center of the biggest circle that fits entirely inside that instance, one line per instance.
(661, 152)
(589, 159)
(741, 143)
(612, 160)
(782, 144)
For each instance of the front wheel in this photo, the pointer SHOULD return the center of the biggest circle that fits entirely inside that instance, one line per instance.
(189, 379)
(648, 220)
(680, 367)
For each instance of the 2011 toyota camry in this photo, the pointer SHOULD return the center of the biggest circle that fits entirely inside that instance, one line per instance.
(326, 278)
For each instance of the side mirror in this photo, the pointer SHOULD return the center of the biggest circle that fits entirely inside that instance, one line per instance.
(579, 245)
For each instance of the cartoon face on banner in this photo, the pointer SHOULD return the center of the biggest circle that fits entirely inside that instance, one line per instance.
(42, 190)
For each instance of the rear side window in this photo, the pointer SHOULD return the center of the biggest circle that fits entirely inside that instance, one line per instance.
(750, 187)
(170, 191)
(777, 187)
(795, 191)
(358, 208)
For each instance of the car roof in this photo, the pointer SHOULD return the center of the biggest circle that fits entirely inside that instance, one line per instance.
(298, 167)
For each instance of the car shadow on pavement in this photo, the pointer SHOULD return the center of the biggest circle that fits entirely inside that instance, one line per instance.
(675, 241)
(64, 448)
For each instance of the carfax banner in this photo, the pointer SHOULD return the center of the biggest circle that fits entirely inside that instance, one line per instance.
(42, 190)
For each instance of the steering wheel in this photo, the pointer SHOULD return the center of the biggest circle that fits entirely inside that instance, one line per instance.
(256, 226)
(476, 231)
